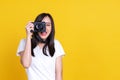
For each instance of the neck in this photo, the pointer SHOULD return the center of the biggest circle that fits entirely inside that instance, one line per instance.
(41, 45)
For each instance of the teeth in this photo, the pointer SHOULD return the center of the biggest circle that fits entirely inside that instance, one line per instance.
(43, 32)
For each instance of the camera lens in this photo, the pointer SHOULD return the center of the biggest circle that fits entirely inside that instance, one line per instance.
(39, 26)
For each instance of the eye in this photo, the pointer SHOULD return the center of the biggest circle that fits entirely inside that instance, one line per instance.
(48, 24)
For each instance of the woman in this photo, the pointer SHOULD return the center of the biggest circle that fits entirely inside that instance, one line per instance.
(40, 54)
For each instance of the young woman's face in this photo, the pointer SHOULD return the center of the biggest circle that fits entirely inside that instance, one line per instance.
(44, 35)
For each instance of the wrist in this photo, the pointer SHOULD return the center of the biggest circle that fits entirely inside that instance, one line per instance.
(28, 36)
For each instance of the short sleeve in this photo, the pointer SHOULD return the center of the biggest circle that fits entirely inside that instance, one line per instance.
(21, 47)
(59, 51)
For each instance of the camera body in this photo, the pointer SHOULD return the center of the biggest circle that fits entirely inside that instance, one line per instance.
(39, 27)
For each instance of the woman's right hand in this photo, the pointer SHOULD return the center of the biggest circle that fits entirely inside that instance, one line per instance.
(26, 54)
(28, 28)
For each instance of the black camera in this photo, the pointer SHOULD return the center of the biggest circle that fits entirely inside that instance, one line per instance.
(39, 27)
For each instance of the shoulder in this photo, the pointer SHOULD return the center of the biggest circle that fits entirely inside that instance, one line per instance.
(58, 48)
(57, 42)
(21, 46)
(22, 41)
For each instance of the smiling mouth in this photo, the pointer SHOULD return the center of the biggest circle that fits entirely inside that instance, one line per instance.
(43, 33)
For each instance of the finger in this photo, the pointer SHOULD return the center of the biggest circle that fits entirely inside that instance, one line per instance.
(29, 23)
(29, 27)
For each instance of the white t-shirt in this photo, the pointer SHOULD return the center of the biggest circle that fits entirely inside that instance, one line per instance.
(42, 67)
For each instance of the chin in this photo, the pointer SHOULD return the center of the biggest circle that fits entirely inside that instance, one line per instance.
(44, 38)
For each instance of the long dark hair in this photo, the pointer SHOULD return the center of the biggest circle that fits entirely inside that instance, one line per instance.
(50, 39)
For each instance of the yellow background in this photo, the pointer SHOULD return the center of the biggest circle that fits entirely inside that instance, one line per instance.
(89, 31)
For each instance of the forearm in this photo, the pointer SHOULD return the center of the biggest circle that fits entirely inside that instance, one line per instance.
(26, 56)
(58, 76)
(58, 69)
